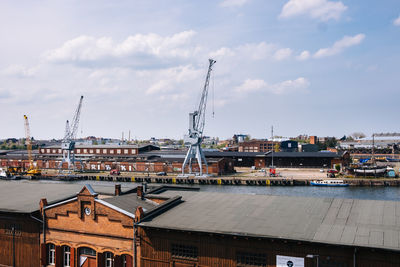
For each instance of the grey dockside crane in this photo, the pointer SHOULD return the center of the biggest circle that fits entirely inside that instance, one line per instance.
(196, 126)
(68, 142)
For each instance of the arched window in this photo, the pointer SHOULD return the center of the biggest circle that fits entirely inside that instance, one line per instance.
(87, 251)
(51, 254)
(123, 260)
(108, 257)
(67, 256)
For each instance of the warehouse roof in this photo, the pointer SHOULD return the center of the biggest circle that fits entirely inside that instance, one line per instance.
(302, 155)
(354, 222)
(24, 196)
(130, 202)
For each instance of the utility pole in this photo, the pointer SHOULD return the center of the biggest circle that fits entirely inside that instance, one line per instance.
(272, 140)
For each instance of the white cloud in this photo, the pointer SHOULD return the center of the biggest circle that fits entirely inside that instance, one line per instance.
(173, 83)
(289, 86)
(323, 10)
(303, 55)
(396, 22)
(253, 51)
(144, 47)
(233, 3)
(340, 45)
(282, 54)
(19, 71)
(251, 85)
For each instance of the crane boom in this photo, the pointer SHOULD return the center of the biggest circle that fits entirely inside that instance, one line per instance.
(196, 127)
(68, 142)
(28, 141)
(201, 111)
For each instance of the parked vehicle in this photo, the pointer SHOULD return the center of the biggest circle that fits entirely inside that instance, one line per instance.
(161, 173)
(115, 172)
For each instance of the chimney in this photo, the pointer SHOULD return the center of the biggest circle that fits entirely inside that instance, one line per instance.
(140, 192)
(42, 204)
(117, 189)
(139, 214)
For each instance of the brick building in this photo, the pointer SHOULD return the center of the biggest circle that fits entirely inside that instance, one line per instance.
(258, 146)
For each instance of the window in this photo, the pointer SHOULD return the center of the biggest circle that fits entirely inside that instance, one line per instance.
(87, 251)
(251, 259)
(108, 256)
(134, 151)
(104, 151)
(126, 151)
(67, 256)
(124, 261)
(111, 151)
(85, 150)
(91, 151)
(184, 251)
(51, 253)
(78, 151)
(97, 151)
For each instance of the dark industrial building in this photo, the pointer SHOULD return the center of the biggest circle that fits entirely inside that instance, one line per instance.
(214, 229)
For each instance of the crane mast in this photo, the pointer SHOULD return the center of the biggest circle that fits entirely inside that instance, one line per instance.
(196, 127)
(68, 142)
(32, 170)
(28, 142)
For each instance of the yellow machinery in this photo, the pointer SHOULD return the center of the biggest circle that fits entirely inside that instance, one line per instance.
(32, 171)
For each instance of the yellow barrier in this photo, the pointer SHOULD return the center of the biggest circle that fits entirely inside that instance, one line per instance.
(219, 181)
(268, 182)
(174, 180)
(133, 179)
(98, 178)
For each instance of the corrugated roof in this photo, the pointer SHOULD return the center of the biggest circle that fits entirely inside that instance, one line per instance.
(353, 222)
(303, 155)
(24, 196)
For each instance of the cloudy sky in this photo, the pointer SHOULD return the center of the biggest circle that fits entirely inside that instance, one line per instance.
(317, 67)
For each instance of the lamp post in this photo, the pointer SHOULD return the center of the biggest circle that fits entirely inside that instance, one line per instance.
(311, 256)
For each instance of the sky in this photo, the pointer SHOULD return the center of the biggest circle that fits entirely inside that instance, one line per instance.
(316, 67)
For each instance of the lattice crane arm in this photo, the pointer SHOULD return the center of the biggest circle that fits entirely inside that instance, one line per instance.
(201, 111)
(71, 129)
(28, 141)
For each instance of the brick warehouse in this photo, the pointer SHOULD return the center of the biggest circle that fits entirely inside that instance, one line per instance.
(171, 226)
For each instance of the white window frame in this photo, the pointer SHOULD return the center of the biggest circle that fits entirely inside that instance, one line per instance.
(118, 151)
(97, 151)
(108, 259)
(51, 250)
(67, 256)
(104, 151)
(126, 151)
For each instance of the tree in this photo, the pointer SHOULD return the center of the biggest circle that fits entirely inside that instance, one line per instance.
(358, 135)
(331, 142)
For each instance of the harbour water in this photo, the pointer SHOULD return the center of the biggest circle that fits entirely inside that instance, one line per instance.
(376, 193)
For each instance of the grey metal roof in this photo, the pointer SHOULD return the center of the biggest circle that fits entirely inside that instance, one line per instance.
(303, 155)
(354, 222)
(130, 202)
(24, 196)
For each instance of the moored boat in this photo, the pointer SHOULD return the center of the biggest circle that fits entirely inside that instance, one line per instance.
(328, 183)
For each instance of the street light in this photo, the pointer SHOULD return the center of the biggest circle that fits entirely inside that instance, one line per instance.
(312, 257)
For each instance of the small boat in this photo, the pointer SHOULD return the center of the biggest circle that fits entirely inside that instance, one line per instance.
(328, 183)
(370, 170)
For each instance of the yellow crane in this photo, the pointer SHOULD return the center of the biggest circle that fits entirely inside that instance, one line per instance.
(32, 171)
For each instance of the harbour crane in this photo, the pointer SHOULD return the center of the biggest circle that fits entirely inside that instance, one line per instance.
(68, 142)
(196, 126)
(32, 170)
